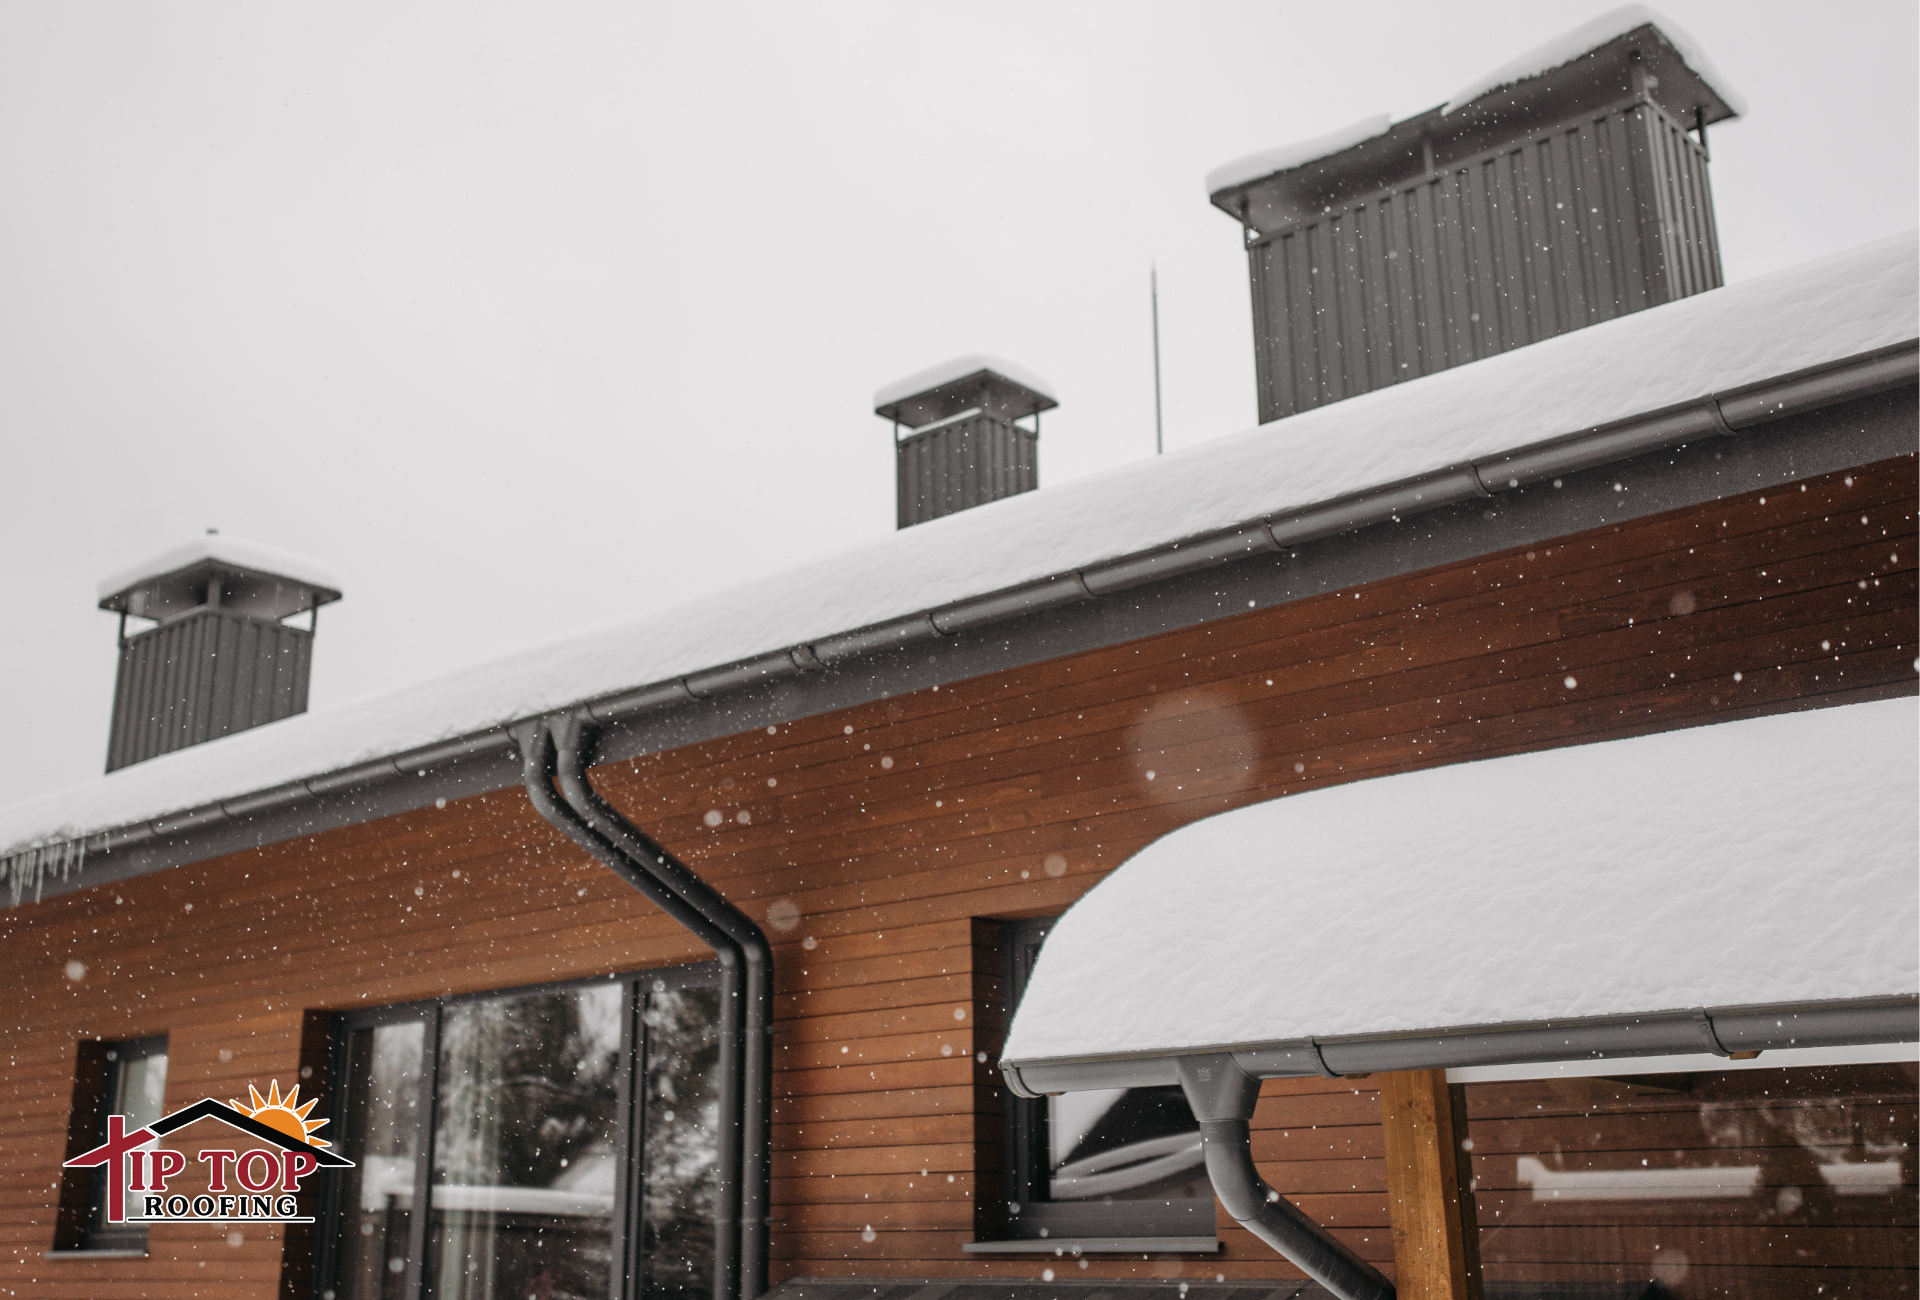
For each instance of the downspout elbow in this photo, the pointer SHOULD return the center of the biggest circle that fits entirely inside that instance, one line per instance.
(1222, 1096)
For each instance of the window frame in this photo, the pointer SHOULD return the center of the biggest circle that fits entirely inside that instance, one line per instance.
(99, 1077)
(626, 1278)
(1049, 1224)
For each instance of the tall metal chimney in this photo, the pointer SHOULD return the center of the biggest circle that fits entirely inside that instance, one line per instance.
(963, 445)
(1560, 191)
(220, 657)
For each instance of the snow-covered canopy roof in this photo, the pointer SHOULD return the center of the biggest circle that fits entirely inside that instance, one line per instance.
(1825, 311)
(1765, 862)
(221, 549)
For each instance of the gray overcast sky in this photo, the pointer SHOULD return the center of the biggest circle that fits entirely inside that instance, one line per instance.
(525, 318)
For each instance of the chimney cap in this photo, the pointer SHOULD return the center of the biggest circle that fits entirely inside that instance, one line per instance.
(977, 380)
(255, 579)
(1587, 67)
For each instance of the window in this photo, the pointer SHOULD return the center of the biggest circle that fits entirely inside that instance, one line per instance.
(563, 1140)
(1743, 1181)
(124, 1078)
(1121, 1162)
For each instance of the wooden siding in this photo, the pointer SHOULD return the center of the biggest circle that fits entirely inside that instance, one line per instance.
(877, 837)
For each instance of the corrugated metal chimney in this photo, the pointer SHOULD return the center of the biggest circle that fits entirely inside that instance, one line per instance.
(963, 446)
(1562, 190)
(220, 658)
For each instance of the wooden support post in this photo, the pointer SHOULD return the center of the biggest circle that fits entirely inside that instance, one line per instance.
(1436, 1240)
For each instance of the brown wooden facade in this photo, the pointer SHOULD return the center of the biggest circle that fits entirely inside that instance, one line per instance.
(883, 842)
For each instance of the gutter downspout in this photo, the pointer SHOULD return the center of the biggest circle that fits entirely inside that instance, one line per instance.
(556, 748)
(1222, 1096)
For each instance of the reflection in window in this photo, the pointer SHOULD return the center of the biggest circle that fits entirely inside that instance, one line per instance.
(1735, 1182)
(385, 1117)
(1124, 1144)
(682, 1142)
(573, 1134)
(525, 1145)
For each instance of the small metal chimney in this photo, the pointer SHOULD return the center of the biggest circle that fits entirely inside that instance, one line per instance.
(963, 444)
(1565, 189)
(219, 657)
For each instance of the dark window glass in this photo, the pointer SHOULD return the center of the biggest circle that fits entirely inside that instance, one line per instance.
(564, 1138)
(134, 1085)
(1120, 1162)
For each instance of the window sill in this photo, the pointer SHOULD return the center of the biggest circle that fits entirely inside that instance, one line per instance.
(1096, 1246)
(84, 1253)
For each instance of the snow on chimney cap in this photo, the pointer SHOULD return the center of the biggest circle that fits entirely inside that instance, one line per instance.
(950, 387)
(1672, 53)
(150, 585)
(1593, 35)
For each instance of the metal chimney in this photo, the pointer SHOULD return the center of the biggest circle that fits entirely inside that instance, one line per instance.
(1563, 190)
(219, 657)
(963, 444)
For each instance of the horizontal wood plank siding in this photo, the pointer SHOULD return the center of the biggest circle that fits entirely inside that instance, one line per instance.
(887, 831)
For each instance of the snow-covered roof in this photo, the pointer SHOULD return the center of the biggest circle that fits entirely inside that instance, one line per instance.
(1568, 46)
(1825, 311)
(1286, 157)
(959, 368)
(225, 550)
(1763, 862)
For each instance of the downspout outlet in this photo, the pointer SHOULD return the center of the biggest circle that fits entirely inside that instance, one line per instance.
(1222, 1096)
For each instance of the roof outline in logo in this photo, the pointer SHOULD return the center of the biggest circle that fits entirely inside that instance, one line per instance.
(208, 1108)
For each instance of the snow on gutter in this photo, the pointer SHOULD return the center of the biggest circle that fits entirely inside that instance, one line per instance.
(1719, 361)
(1588, 901)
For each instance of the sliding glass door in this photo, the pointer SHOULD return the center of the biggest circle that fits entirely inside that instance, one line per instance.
(562, 1138)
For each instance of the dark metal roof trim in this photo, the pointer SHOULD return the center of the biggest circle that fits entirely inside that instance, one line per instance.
(1718, 1031)
(1142, 591)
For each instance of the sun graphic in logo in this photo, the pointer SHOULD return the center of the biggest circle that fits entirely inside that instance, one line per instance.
(278, 1112)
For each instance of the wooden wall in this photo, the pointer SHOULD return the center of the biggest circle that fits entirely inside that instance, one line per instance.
(875, 839)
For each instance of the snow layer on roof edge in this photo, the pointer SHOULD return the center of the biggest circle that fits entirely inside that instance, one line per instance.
(959, 368)
(1827, 310)
(1286, 157)
(1759, 862)
(1568, 46)
(228, 550)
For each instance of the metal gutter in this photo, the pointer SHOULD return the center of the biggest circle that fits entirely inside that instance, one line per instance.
(1719, 1031)
(557, 750)
(641, 716)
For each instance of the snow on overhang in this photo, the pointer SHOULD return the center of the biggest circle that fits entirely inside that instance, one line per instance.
(1768, 862)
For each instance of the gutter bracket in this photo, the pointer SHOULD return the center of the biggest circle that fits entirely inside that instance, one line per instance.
(1709, 1040)
(1222, 1096)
